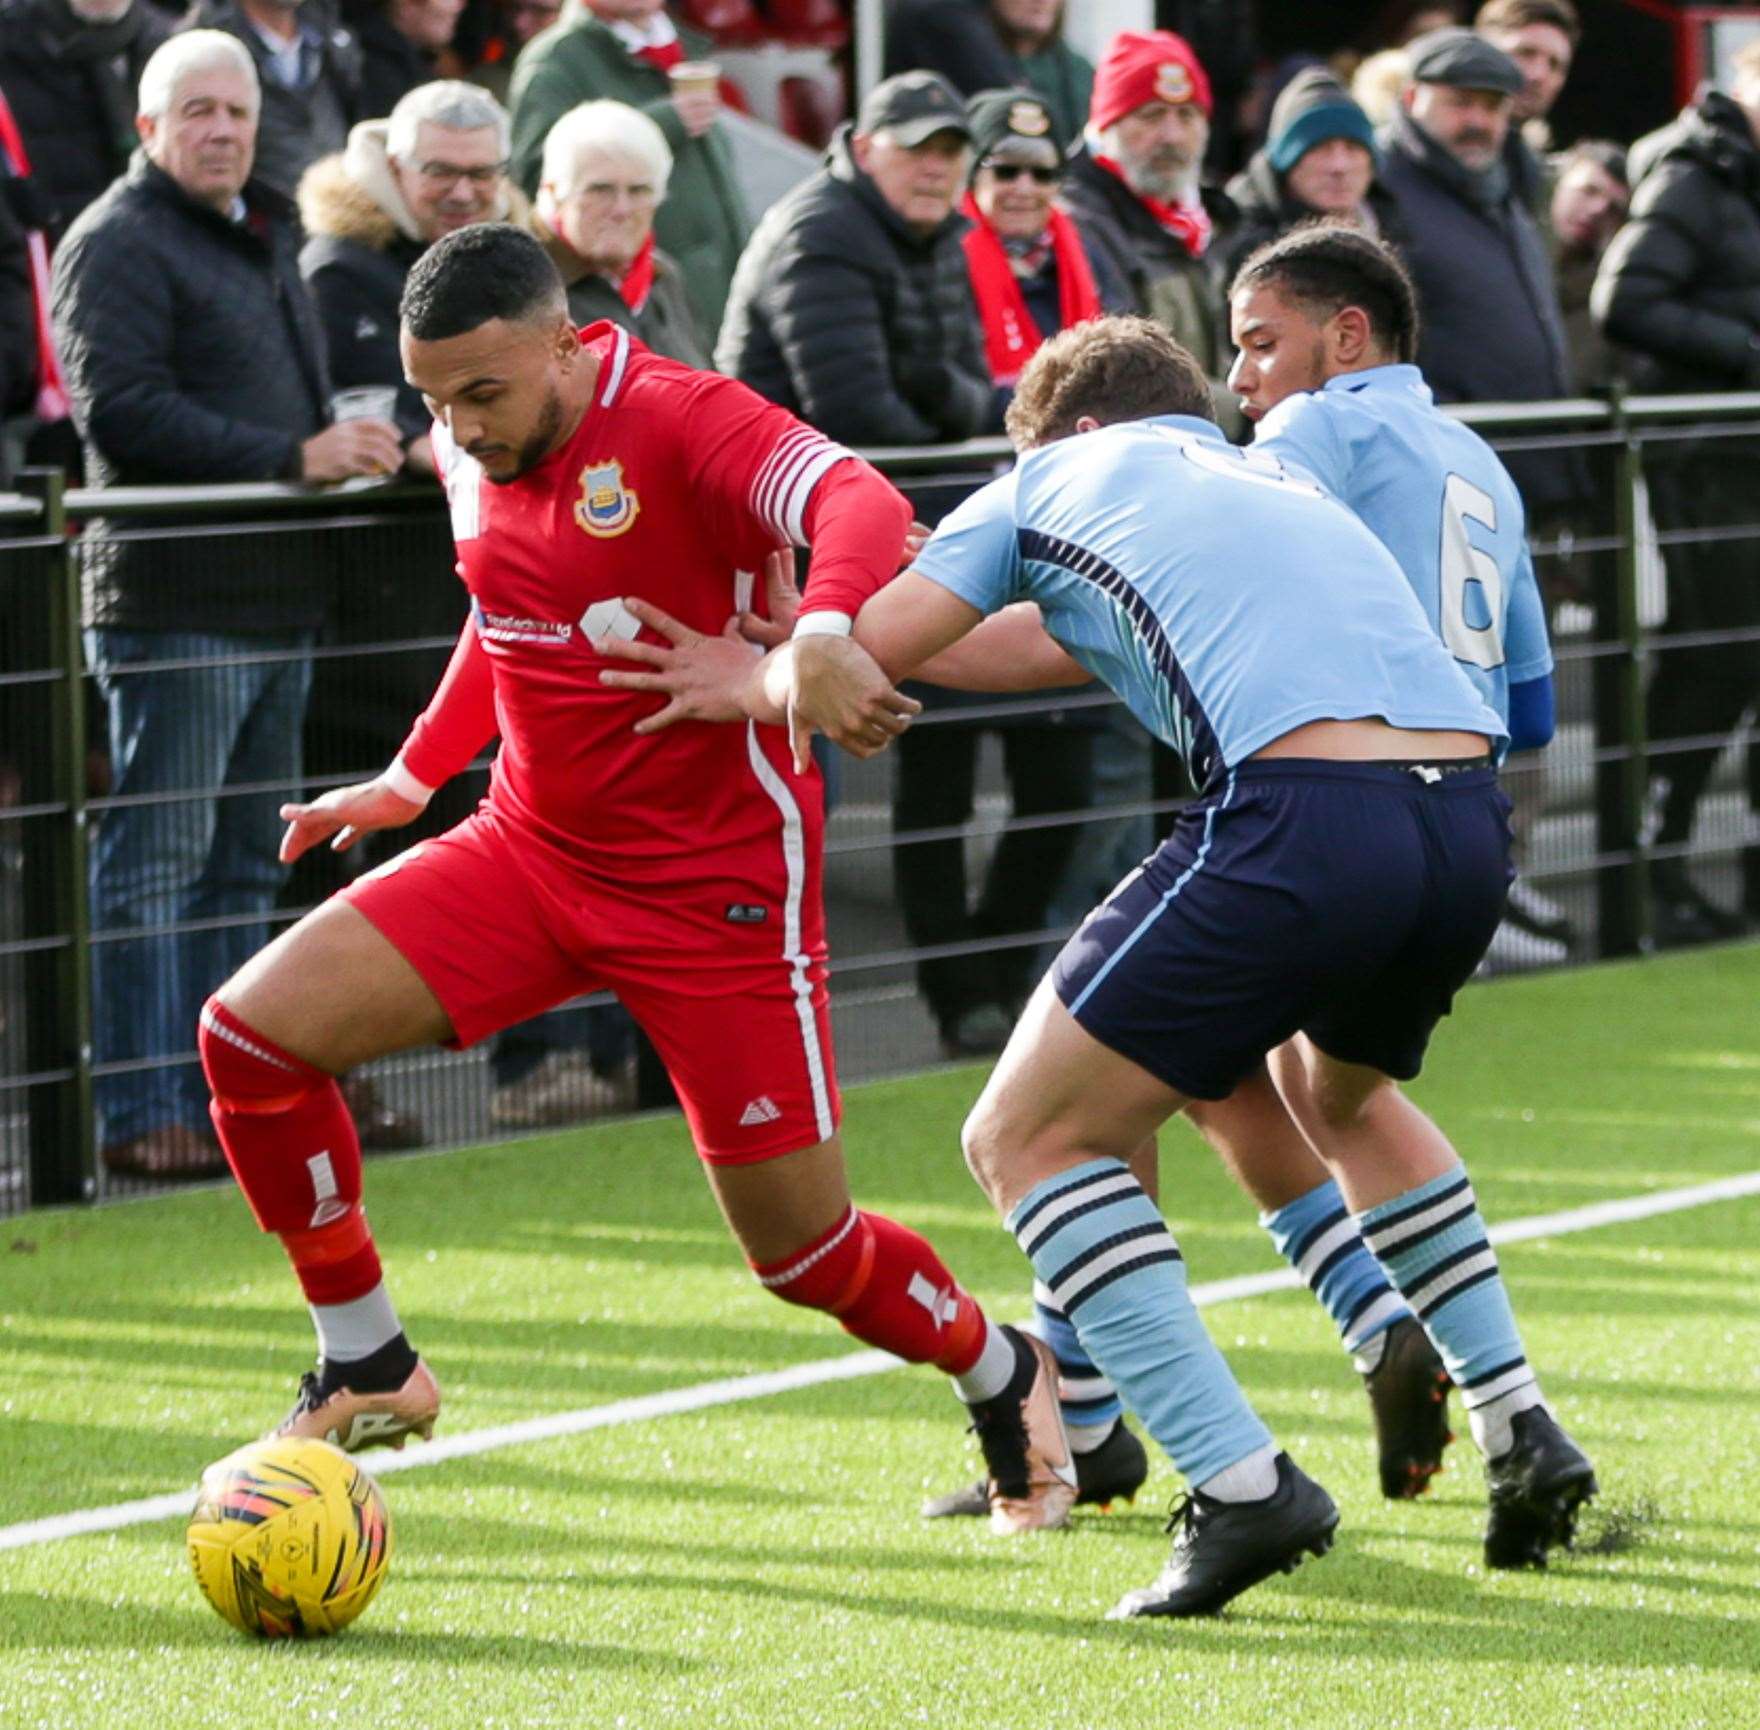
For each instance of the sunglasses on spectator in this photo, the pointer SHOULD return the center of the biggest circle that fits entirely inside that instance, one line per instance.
(1009, 172)
(445, 173)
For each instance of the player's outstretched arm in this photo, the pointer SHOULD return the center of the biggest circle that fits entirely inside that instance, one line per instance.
(1010, 651)
(343, 815)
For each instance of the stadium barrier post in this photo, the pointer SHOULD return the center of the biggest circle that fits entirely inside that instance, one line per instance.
(58, 976)
(1622, 773)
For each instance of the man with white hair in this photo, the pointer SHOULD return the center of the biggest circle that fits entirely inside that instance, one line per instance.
(192, 354)
(309, 70)
(605, 172)
(371, 210)
(68, 69)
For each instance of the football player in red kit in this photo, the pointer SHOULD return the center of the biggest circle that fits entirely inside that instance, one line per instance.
(680, 869)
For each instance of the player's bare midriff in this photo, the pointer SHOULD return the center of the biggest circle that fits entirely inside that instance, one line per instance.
(1371, 741)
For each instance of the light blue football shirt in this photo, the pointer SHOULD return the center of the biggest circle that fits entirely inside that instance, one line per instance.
(1226, 600)
(1437, 497)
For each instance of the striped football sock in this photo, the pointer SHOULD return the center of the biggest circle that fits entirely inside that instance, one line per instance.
(1432, 1242)
(1102, 1248)
(1090, 1402)
(1316, 1235)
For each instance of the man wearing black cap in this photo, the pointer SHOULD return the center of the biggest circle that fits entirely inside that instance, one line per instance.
(1318, 159)
(851, 305)
(1492, 331)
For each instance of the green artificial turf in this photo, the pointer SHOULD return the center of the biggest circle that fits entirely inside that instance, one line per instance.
(762, 1564)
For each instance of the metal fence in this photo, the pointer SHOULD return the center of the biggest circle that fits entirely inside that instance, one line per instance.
(953, 866)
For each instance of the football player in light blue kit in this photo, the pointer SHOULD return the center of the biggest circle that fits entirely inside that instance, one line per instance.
(1325, 320)
(1335, 883)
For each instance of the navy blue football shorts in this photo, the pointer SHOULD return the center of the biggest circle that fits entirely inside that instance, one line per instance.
(1347, 901)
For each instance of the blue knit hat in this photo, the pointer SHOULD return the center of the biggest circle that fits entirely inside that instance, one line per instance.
(1312, 108)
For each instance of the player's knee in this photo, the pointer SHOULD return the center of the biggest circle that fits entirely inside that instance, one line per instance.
(1344, 1093)
(984, 1143)
(245, 1072)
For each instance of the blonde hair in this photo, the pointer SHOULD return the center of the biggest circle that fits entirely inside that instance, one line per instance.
(1377, 82)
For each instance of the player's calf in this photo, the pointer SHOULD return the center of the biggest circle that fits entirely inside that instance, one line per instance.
(292, 1145)
(886, 1285)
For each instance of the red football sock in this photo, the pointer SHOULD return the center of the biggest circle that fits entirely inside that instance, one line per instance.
(887, 1286)
(292, 1145)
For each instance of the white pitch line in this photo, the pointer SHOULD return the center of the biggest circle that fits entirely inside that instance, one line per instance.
(849, 1367)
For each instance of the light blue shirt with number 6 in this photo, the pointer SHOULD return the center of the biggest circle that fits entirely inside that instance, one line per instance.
(1224, 597)
(1437, 497)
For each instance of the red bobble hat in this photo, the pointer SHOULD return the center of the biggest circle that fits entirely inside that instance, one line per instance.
(1144, 66)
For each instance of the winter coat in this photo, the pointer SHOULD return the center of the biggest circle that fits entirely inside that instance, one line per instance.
(958, 39)
(1265, 210)
(296, 127)
(665, 323)
(1491, 330)
(361, 243)
(848, 317)
(1181, 293)
(1680, 285)
(18, 314)
(71, 87)
(192, 353)
(391, 64)
(704, 222)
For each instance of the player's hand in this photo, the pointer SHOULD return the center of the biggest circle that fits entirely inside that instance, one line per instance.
(704, 678)
(343, 816)
(838, 688)
(697, 110)
(782, 603)
(916, 537)
(349, 448)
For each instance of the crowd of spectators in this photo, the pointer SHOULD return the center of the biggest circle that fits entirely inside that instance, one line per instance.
(232, 197)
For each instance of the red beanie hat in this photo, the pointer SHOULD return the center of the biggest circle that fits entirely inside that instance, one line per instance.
(1144, 66)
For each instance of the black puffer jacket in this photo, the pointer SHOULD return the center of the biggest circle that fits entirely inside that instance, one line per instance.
(192, 353)
(71, 87)
(844, 315)
(1680, 285)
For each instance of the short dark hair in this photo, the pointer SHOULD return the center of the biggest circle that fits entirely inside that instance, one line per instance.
(1328, 265)
(487, 271)
(1609, 157)
(1113, 369)
(1519, 14)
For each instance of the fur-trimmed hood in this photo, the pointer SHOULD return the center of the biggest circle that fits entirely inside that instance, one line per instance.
(353, 195)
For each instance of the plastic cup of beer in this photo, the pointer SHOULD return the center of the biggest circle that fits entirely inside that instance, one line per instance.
(365, 402)
(696, 78)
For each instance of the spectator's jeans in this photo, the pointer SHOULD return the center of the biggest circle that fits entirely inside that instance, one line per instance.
(193, 714)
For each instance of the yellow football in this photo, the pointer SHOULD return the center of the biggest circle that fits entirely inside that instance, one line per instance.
(289, 1538)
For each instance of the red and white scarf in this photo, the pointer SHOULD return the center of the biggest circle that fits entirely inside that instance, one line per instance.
(52, 402)
(1011, 337)
(655, 44)
(1187, 223)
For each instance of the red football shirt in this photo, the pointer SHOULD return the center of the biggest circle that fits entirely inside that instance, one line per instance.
(675, 487)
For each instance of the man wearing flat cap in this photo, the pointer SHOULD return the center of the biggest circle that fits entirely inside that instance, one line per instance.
(1318, 159)
(850, 305)
(1135, 187)
(1492, 330)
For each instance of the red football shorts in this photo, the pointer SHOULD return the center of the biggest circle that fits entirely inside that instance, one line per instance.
(725, 974)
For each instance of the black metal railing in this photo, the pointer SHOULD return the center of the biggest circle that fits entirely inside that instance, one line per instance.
(102, 945)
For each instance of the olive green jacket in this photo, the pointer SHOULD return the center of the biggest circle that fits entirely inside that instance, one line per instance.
(703, 223)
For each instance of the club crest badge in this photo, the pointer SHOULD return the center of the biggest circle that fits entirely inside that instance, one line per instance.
(1028, 119)
(1173, 83)
(606, 506)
